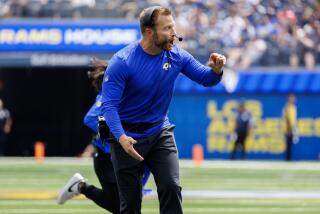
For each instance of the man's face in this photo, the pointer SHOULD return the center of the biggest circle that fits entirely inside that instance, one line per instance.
(164, 32)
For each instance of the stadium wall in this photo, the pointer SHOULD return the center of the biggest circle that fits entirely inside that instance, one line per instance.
(206, 115)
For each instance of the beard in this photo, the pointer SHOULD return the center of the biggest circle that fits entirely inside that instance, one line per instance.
(163, 44)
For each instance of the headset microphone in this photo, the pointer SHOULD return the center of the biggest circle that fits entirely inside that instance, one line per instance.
(179, 38)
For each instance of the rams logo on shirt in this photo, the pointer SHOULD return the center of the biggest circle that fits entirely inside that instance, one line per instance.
(106, 78)
(166, 66)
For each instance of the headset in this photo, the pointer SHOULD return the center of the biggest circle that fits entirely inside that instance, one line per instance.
(148, 18)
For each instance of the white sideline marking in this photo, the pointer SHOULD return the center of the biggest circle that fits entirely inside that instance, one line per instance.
(260, 165)
(211, 164)
(251, 194)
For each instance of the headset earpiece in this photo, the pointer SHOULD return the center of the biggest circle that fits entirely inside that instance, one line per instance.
(148, 16)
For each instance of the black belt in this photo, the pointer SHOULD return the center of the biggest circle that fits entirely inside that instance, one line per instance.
(138, 127)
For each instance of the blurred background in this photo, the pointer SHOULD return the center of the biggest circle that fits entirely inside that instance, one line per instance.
(272, 49)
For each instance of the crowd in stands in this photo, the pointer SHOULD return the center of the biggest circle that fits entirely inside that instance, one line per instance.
(249, 32)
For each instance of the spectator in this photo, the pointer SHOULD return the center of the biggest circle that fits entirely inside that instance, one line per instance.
(279, 32)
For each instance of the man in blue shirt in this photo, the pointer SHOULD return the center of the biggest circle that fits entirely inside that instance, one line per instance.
(106, 197)
(136, 93)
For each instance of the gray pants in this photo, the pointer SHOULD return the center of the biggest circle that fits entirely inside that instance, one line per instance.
(161, 157)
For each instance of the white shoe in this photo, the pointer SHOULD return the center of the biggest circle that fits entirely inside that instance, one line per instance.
(71, 189)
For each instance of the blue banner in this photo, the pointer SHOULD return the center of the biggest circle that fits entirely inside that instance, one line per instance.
(257, 81)
(66, 37)
(209, 120)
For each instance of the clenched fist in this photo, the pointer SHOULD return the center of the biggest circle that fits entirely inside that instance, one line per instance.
(216, 62)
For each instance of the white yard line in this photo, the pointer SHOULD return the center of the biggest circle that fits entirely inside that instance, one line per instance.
(211, 164)
(261, 165)
(225, 164)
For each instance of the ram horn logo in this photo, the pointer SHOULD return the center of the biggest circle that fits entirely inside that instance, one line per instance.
(166, 66)
(106, 78)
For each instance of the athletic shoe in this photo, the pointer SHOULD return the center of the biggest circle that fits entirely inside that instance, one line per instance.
(71, 189)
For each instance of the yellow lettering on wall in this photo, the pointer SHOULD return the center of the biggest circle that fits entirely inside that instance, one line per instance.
(211, 109)
(257, 144)
(317, 127)
(229, 108)
(230, 125)
(276, 143)
(272, 125)
(218, 126)
(38, 36)
(217, 142)
(55, 36)
(267, 134)
(21, 36)
(45, 36)
(305, 127)
(258, 126)
(6, 36)
(255, 108)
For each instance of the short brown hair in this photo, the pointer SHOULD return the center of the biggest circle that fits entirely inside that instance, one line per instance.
(159, 10)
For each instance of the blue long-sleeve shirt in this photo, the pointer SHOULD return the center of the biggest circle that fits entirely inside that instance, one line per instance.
(138, 87)
(91, 120)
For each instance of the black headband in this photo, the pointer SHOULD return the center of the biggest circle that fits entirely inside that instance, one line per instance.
(148, 16)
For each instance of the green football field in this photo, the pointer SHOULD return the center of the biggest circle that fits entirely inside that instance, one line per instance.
(28, 187)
